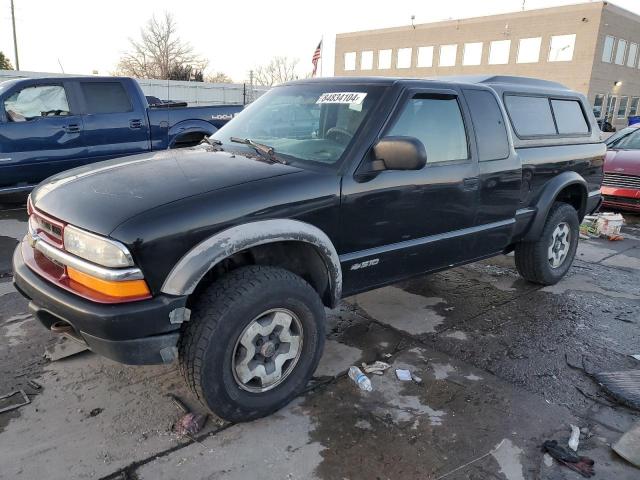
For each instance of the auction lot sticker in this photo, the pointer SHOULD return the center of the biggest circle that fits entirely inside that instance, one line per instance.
(351, 98)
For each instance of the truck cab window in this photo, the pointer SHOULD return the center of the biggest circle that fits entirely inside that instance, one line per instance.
(438, 124)
(105, 97)
(33, 102)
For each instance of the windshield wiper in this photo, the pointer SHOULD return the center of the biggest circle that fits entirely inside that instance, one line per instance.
(264, 150)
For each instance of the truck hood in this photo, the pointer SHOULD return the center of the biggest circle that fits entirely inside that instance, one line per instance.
(101, 196)
(622, 161)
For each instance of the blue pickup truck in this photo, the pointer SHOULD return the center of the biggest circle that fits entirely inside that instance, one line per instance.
(49, 125)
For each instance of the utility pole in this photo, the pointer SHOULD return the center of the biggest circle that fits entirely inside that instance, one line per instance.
(15, 40)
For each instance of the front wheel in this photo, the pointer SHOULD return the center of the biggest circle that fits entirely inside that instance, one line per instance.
(253, 341)
(547, 260)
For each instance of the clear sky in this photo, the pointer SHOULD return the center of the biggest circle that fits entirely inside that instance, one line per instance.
(235, 36)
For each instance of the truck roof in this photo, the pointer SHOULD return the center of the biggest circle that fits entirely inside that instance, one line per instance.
(497, 82)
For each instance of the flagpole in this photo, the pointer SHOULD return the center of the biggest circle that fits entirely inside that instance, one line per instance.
(321, 53)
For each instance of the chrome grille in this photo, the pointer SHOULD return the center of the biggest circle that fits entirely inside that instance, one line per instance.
(621, 180)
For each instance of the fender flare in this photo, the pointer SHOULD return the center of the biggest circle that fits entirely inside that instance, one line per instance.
(187, 273)
(548, 196)
(190, 126)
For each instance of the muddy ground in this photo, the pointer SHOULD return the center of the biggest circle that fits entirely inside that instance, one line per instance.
(494, 354)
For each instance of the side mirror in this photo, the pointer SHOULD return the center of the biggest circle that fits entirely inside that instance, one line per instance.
(399, 153)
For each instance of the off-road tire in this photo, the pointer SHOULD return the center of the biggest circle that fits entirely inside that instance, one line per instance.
(532, 259)
(219, 316)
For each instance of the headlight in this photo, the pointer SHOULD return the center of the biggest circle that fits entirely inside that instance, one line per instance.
(96, 249)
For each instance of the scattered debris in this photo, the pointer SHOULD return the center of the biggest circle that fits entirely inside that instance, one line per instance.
(605, 224)
(571, 460)
(6, 397)
(63, 348)
(403, 375)
(360, 379)
(574, 440)
(96, 411)
(189, 424)
(377, 367)
(609, 224)
(35, 385)
(628, 447)
(623, 386)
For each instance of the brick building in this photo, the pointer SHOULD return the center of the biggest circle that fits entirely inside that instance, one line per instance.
(590, 47)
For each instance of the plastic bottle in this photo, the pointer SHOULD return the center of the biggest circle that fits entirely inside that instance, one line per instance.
(360, 379)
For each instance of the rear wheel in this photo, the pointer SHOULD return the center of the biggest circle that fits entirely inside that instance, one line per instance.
(548, 259)
(254, 339)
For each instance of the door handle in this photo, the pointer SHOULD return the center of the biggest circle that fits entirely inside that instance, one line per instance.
(72, 128)
(471, 183)
(137, 123)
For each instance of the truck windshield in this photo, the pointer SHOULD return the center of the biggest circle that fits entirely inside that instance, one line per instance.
(312, 122)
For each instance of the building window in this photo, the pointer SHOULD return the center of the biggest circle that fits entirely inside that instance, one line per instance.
(425, 56)
(472, 54)
(366, 60)
(529, 50)
(404, 58)
(448, 55)
(561, 48)
(620, 51)
(384, 59)
(622, 107)
(633, 108)
(350, 61)
(607, 50)
(499, 52)
(611, 105)
(633, 54)
(597, 105)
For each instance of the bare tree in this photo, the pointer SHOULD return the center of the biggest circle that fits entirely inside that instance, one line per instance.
(160, 52)
(278, 70)
(219, 77)
(5, 63)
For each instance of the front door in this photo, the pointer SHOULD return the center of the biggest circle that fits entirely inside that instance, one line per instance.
(396, 224)
(114, 120)
(40, 134)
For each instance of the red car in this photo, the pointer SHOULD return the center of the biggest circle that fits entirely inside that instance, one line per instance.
(621, 184)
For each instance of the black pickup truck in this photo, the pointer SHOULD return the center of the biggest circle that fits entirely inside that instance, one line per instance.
(225, 255)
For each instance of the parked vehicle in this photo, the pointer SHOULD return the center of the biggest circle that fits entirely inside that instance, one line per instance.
(226, 255)
(49, 125)
(621, 184)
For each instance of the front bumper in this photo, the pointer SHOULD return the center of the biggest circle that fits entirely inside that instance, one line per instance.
(135, 333)
(622, 198)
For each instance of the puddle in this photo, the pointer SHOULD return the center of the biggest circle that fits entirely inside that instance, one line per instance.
(508, 457)
(441, 371)
(582, 283)
(458, 335)
(405, 311)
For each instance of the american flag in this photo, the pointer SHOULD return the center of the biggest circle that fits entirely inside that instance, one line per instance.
(316, 56)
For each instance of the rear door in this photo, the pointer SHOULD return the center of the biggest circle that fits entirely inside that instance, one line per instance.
(500, 173)
(41, 133)
(401, 223)
(115, 120)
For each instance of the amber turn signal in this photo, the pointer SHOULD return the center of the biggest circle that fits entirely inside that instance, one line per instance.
(121, 289)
